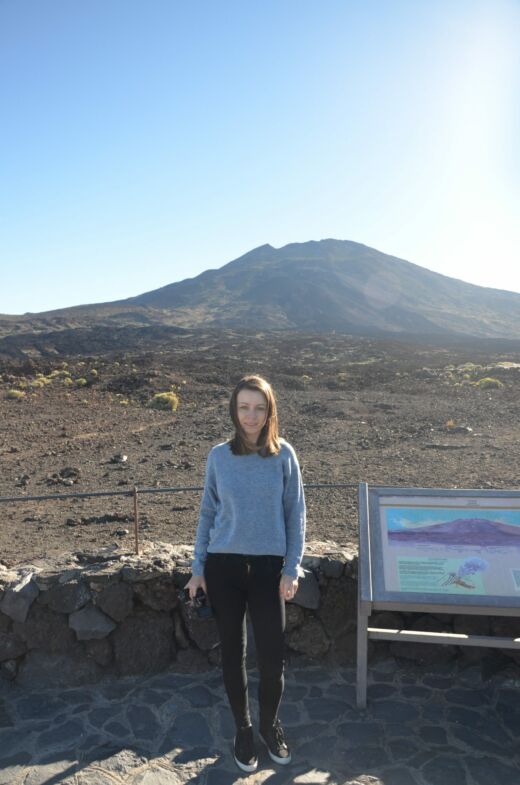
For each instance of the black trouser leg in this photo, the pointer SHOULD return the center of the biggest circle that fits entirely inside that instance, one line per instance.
(267, 612)
(235, 581)
(227, 593)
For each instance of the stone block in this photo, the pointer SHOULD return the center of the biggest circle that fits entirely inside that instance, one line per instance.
(308, 594)
(90, 623)
(144, 642)
(294, 616)
(203, 632)
(5, 623)
(505, 626)
(116, 600)
(11, 646)
(338, 606)
(100, 651)
(310, 639)
(18, 597)
(9, 669)
(180, 634)
(68, 597)
(472, 625)
(160, 595)
(332, 568)
(44, 629)
(57, 670)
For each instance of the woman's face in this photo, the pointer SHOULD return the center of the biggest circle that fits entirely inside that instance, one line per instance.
(251, 413)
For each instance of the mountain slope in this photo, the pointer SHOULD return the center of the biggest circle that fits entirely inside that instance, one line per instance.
(334, 284)
(313, 286)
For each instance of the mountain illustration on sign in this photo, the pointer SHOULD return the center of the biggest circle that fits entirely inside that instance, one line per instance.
(461, 531)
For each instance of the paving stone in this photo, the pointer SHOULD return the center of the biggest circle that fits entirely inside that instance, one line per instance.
(317, 750)
(189, 729)
(222, 777)
(61, 735)
(39, 706)
(432, 734)
(199, 696)
(416, 693)
(398, 776)
(355, 733)
(466, 697)
(328, 710)
(193, 754)
(402, 749)
(153, 697)
(289, 714)
(143, 722)
(77, 696)
(117, 729)
(394, 711)
(312, 676)
(315, 692)
(91, 741)
(344, 692)
(492, 771)
(363, 757)
(445, 770)
(379, 691)
(433, 712)
(294, 692)
(438, 682)
(98, 716)
(477, 742)
(116, 690)
(6, 720)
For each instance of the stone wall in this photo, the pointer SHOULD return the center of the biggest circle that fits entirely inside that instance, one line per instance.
(76, 619)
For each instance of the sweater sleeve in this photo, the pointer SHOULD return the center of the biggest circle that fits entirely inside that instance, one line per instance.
(208, 509)
(294, 512)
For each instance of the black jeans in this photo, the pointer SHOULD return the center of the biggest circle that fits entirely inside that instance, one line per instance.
(234, 582)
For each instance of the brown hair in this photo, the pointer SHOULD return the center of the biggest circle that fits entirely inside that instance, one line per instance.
(269, 440)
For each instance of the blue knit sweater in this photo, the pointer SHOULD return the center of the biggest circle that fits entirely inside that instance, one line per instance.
(252, 505)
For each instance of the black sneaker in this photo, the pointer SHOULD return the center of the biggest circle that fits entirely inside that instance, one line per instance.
(274, 740)
(244, 750)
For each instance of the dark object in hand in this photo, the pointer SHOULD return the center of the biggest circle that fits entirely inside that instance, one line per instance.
(199, 603)
(202, 606)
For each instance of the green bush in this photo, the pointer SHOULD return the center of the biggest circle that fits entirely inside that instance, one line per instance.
(81, 382)
(167, 401)
(488, 383)
(15, 395)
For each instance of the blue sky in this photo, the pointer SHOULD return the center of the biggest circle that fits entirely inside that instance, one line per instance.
(142, 142)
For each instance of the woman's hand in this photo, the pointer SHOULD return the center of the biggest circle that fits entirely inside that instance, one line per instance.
(288, 587)
(195, 583)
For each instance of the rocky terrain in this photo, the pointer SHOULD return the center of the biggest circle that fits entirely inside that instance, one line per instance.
(355, 409)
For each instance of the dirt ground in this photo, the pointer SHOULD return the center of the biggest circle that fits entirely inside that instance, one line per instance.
(355, 409)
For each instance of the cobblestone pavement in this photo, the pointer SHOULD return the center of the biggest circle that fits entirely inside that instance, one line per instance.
(435, 727)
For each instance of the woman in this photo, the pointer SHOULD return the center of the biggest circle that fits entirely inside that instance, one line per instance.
(248, 551)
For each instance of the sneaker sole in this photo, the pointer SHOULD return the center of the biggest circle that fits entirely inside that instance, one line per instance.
(281, 761)
(248, 768)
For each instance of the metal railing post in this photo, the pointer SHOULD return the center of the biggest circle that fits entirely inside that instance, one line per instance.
(136, 521)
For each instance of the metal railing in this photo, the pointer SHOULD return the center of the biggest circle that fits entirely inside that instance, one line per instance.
(136, 492)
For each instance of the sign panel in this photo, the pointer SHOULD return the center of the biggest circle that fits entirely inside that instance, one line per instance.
(445, 546)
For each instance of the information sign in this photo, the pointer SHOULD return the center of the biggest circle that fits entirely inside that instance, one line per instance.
(436, 550)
